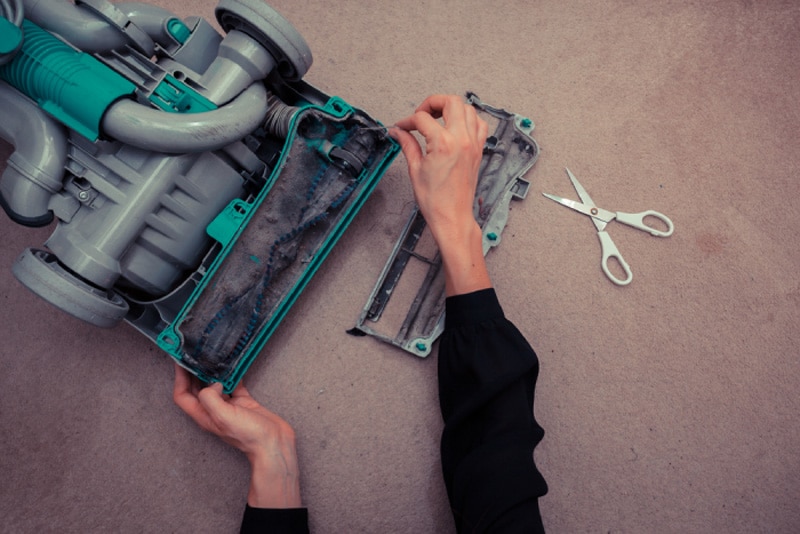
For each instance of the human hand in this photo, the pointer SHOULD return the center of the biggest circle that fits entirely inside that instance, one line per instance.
(267, 440)
(444, 176)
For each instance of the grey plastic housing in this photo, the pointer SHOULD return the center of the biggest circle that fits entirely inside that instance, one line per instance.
(35, 169)
(133, 206)
(218, 132)
(510, 152)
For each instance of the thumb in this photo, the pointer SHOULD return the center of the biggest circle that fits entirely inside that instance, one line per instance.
(410, 146)
(212, 401)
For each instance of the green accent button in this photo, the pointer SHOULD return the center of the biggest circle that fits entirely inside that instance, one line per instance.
(178, 30)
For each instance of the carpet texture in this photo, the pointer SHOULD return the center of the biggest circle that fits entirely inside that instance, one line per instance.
(669, 405)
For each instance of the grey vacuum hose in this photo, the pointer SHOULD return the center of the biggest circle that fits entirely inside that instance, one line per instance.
(179, 133)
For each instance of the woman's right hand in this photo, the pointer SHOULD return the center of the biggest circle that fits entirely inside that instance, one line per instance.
(444, 176)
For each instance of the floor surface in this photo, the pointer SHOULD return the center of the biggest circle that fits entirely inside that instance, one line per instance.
(669, 405)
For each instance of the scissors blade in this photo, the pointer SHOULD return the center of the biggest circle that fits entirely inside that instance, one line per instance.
(579, 188)
(599, 222)
(599, 216)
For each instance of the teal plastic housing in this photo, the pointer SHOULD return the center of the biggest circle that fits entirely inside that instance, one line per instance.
(230, 225)
(70, 85)
(10, 36)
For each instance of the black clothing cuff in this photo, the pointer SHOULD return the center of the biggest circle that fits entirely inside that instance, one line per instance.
(472, 308)
(274, 520)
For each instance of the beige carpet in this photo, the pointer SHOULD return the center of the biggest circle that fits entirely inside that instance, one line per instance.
(669, 405)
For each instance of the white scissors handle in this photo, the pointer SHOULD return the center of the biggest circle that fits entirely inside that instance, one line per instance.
(609, 250)
(637, 221)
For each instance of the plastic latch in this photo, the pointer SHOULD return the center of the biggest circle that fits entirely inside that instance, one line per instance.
(10, 36)
(225, 225)
(177, 97)
(178, 30)
(337, 107)
(520, 189)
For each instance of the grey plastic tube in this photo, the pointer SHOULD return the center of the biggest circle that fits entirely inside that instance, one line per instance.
(82, 28)
(89, 32)
(240, 61)
(151, 19)
(179, 133)
(36, 168)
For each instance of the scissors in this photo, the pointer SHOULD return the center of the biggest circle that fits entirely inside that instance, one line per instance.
(601, 218)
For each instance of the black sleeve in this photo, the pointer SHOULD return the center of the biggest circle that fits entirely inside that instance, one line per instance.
(274, 521)
(487, 376)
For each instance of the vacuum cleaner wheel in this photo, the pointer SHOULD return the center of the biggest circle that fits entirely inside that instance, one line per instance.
(40, 271)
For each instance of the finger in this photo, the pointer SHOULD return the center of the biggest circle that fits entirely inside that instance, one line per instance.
(406, 124)
(241, 397)
(211, 400)
(421, 121)
(182, 388)
(241, 392)
(429, 127)
(471, 120)
(410, 146)
(449, 107)
(186, 399)
(483, 130)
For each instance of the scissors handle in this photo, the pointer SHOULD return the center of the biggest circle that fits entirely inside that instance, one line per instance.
(637, 221)
(609, 250)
